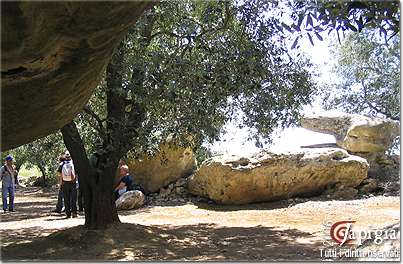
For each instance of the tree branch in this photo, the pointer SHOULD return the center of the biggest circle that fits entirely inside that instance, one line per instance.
(375, 108)
(224, 26)
(203, 31)
(100, 128)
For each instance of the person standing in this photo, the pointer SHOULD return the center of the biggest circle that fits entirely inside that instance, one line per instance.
(68, 182)
(59, 205)
(7, 172)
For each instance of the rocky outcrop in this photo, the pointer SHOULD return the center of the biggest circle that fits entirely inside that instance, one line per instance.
(269, 176)
(130, 200)
(362, 136)
(355, 133)
(53, 54)
(173, 194)
(368, 186)
(168, 165)
(382, 167)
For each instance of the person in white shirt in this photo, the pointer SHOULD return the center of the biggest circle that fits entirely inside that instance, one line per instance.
(68, 179)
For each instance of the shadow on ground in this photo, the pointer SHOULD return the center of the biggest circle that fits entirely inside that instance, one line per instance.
(31, 208)
(254, 206)
(138, 242)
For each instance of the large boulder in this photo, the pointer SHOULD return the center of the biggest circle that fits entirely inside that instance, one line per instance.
(53, 55)
(130, 200)
(269, 176)
(355, 133)
(169, 164)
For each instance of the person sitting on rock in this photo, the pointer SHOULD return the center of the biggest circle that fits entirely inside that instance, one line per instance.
(125, 183)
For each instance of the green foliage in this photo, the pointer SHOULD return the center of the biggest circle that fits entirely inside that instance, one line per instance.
(191, 65)
(26, 173)
(311, 18)
(369, 77)
(43, 153)
(202, 153)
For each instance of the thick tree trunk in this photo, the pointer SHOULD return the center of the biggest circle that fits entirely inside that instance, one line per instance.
(95, 184)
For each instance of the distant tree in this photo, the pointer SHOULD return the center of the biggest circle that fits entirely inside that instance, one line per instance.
(368, 80)
(43, 153)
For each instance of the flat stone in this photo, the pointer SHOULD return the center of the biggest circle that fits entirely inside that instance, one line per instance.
(355, 133)
(270, 176)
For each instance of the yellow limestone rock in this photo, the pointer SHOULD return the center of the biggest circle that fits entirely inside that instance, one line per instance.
(270, 176)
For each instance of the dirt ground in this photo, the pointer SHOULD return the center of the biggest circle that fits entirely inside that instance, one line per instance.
(265, 231)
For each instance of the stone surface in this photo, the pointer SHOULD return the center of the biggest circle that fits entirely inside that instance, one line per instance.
(347, 193)
(368, 186)
(390, 188)
(167, 166)
(355, 133)
(269, 176)
(382, 167)
(174, 194)
(130, 200)
(53, 55)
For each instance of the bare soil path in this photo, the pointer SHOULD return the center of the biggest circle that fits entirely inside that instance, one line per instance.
(266, 231)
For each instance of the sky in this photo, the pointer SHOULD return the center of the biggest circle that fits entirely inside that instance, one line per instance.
(235, 142)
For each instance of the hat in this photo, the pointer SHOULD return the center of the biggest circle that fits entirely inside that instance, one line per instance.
(9, 157)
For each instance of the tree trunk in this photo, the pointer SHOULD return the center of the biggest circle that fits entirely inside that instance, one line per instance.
(43, 171)
(96, 184)
(17, 168)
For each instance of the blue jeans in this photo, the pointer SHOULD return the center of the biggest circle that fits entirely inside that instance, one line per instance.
(8, 191)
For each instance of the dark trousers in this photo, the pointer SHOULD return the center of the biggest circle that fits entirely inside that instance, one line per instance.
(80, 200)
(60, 197)
(59, 205)
(70, 197)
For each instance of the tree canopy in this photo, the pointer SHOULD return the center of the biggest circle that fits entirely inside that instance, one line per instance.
(369, 76)
(189, 66)
(311, 18)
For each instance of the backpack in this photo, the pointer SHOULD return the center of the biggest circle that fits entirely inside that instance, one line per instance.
(68, 171)
(3, 171)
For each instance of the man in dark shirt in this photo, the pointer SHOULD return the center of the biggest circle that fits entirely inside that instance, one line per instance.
(125, 183)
